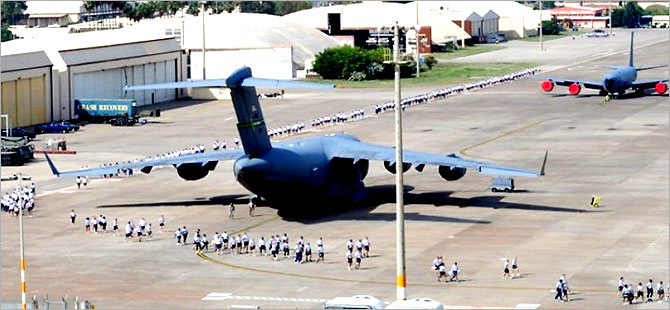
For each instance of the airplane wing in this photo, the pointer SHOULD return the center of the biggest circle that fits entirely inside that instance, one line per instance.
(644, 84)
(146, 165)
(361, 150)
(567, 82)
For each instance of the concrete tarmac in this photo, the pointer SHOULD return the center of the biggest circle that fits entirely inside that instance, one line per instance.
(618, 150)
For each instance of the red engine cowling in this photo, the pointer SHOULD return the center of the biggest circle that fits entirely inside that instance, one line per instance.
(574, 89)
(547, 86)
(661, 88)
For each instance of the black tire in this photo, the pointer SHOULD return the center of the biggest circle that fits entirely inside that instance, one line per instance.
(507, 190)
(495, 190)
(64, 131)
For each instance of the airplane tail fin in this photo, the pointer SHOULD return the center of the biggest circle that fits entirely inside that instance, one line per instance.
(250, 122)
(630, 54)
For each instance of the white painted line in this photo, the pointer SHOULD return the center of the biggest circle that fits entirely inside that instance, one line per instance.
(301, 289)
(220, 294)
(227, 119)
(527, 306)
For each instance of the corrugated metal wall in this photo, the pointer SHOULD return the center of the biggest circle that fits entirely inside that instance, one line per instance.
(108, 84)
(25, 101)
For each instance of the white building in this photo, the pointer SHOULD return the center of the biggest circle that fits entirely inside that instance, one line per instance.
(53, 13)
(87, 65)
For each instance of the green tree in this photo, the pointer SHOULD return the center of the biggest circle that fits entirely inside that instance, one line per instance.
(219, 7)
(6, 33)
(631, 14)
(288, 7)
(617, 18)
(550, 27)
(341, 62)
(12, 12)
(656, 9)
(263, 7)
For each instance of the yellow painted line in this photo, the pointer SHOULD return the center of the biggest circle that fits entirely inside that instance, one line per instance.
(464, 150)
(273, 218)
(392, 283)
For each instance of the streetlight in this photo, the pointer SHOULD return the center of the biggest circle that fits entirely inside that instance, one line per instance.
(541, 43)
(203, 39)
(21, 177)
(401, 282)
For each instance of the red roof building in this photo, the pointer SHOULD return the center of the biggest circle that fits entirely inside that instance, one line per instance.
(581, 16)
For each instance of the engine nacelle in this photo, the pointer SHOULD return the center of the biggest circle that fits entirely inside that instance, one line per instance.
(661, 88)
(547, 86)
(344, 170)
(451, 173)
(574, 89)
(195, 171)
(391, 167)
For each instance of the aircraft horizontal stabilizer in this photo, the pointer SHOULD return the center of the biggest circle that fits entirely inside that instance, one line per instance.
(641, 68)
(247, 81)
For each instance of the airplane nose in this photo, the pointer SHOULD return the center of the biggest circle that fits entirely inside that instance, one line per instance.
(608, 84)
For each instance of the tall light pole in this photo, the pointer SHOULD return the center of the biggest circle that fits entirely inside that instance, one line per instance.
(541, 43)
(401, 282)
(416, 28)
(609, 10)
(21, 177)
(203, 40)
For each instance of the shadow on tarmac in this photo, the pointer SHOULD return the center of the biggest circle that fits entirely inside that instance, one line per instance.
(378, 195)
(212, 201)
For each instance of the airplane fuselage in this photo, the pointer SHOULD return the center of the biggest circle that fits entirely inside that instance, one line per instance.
(291, 171)
(619, 80)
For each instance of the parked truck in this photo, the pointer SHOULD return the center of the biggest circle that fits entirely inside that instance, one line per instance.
(118, 112)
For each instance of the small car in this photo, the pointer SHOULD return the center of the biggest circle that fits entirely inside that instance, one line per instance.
(597, 33)
(56, 127)
(20, 132)
(495, 38)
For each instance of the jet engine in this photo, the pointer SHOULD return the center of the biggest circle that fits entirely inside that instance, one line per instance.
(547, 86)
(574, 89)
(391, 167)
(451, 173)
(195, 171)
(661, 88)
(345, 171)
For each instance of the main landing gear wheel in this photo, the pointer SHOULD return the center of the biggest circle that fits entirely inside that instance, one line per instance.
(607, 98)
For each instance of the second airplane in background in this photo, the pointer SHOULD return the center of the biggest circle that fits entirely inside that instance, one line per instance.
(614, 82)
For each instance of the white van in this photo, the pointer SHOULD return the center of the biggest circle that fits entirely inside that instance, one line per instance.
(416, 303)
(354, 302)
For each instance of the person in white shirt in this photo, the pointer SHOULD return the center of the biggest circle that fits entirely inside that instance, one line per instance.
(319, 242)
(659, 291)
(640, 292)
(350, 259)
(73, 216)
(506, 274)
(366, 246)
(177, 235)
(129, 232)
(262, 250)
(78, 181)
(87, 224)
(84, 181)
(359, 258)
(321, 253)
(350, 245)
(441, 273)
(149, 231)
(454, 272)
(116, 227)
(252, 247)
(650, 290)
(620, 287)
(161, 223)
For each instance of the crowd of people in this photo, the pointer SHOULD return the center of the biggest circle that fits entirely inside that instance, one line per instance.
(625, 291)
(22, 199)
(340, 117)
(453, 90)
(98, 224)
(286, 130)
(362, 247)
(276, 246)
(441, 270)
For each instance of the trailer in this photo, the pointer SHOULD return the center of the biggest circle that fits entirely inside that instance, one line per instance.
(118, 112)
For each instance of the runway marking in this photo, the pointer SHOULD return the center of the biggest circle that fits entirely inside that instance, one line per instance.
(273, 218)
(350, 280)
(527, 306)
(227, 119)
(224, 296)
(73, 188)
(464, 150)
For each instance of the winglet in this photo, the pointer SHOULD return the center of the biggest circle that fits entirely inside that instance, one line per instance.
(544, 162)
(52, 166)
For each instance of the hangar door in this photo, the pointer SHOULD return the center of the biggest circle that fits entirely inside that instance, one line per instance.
(25, 101)
(108, 83)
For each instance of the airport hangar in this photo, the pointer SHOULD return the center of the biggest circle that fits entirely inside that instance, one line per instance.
(42, 77)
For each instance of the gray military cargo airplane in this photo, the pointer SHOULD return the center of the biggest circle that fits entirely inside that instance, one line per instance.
(614, 82)
(329, 168)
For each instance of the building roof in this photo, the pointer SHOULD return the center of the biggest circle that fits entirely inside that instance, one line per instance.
(24, 61)
(54, 7)
(465, 15)
(237, 31)
(376, 14)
